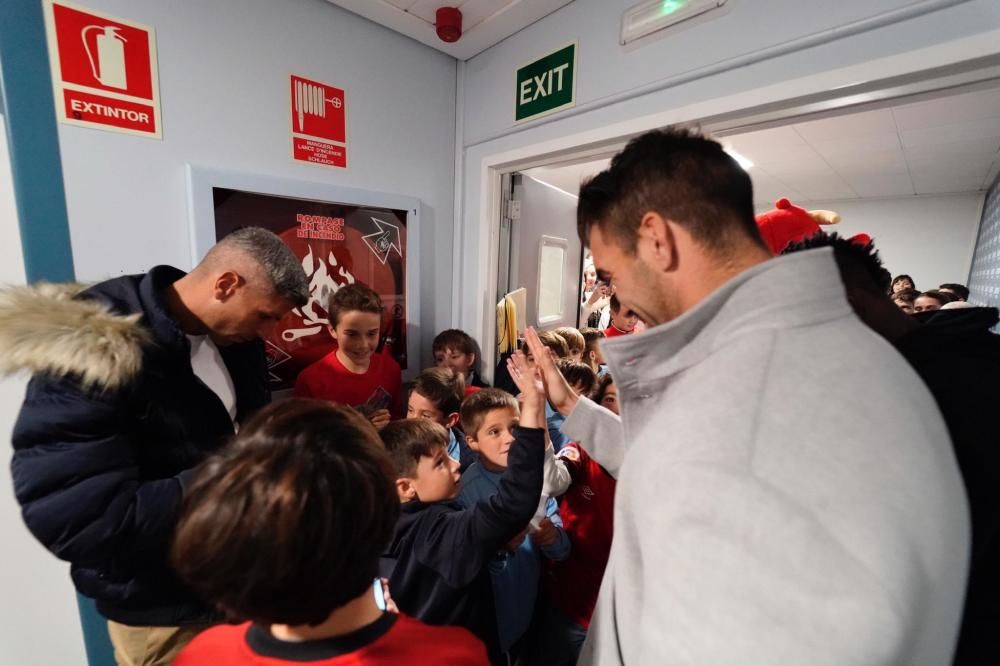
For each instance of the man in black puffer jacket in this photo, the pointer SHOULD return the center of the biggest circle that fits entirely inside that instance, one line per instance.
(135, 381)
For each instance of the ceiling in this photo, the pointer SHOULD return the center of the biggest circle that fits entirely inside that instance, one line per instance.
(945, 145)
(484, 22)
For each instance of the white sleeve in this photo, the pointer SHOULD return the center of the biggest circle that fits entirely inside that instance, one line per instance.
(599, 432)
(556, 476)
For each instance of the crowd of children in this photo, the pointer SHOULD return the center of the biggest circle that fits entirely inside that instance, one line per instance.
(451, 524)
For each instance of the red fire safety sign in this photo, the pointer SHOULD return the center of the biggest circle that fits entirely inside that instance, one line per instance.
(319, 123)
(103, 70)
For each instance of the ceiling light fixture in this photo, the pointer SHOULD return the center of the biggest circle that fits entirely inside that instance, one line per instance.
(654, 15)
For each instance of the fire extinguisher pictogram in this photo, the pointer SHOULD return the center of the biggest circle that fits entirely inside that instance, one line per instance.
(109, 68)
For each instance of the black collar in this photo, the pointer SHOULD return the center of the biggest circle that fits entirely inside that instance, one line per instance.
(261, 641)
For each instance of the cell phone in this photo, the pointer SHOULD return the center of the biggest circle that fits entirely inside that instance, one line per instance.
(379, 593)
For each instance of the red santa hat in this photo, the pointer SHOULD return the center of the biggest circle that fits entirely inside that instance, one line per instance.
(788, 223)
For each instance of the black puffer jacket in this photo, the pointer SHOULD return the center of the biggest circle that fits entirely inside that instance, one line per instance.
(113, 422)
(958, 357)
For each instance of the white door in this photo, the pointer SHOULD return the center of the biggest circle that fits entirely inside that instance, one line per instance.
(546, 253)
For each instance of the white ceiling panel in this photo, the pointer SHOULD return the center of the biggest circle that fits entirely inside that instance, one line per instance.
(983, 129)
(475, 12)
(961, 149)
(402, 4)
(948, 110)
(946, 145)
(857, 125)
(484, 22)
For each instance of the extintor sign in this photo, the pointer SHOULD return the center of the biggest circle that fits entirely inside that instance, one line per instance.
(319, 123)
(103, 70)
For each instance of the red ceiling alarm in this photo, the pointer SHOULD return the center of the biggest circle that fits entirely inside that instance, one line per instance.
(449, 24)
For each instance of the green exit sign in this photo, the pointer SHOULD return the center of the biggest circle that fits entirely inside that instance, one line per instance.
(546, 85)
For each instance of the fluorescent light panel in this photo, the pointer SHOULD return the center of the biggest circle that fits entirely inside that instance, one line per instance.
(654, 15)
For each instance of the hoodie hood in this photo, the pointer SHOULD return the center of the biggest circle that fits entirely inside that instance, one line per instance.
(960, 321)
(46, 329)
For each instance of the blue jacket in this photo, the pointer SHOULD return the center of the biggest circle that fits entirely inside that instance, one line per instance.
(515, 575)
(104, 445)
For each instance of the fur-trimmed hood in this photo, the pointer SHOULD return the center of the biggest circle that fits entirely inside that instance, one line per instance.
(45, 329)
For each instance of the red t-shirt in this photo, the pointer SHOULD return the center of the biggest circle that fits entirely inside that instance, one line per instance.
(587, 511)
(613, 332)
(328, 379)
(391, 640)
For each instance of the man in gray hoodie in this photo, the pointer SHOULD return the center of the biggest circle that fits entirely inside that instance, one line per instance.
(787, 493)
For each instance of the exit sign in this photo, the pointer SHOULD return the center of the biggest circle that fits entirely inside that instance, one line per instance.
(546, 85)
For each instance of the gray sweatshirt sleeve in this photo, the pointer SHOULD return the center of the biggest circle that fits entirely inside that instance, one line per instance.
(599, 431)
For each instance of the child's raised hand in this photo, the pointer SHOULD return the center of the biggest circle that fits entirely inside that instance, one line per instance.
(525, 377)
(557, 388)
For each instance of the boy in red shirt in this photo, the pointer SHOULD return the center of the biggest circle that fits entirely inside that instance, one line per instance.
(353, 374)
(284, 528)
(622, 323)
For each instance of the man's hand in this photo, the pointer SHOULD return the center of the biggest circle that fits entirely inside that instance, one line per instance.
(380, 418)
(558, 390)
(546, 534)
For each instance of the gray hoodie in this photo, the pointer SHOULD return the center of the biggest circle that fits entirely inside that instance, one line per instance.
(787, 492)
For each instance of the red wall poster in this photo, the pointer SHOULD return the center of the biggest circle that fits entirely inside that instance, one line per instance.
(338, 244)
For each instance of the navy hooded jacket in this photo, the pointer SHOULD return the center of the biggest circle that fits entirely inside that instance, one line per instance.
(112, 425)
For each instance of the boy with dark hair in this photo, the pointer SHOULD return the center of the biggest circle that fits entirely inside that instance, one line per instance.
(457, 350)
(437, 395)
(579, 375)
(592, 355)
(284, 529)
(960, 291)
(440, 550)
(353, 373)
(622, 323)
(489, 418)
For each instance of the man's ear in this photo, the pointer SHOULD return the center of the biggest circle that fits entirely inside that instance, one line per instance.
(332, 331)
(473, 444)
(226, 285)
(452, 420)
(405, 489)
(658, 241)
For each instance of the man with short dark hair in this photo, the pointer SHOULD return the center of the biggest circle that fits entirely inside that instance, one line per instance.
(786, 492)
(958, 357)
(960, 291)
(136, 380)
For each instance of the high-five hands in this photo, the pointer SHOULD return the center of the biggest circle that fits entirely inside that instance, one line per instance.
(557, 389)
(532, 391)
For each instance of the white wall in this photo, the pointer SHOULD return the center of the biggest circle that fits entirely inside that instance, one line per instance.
(687, 75)
(930, 238)
(39, 624)
(223, 68)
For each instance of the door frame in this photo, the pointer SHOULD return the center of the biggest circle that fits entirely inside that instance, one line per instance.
(875, 91)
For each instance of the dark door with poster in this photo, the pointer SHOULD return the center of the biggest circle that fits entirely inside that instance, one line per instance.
(338, 244)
